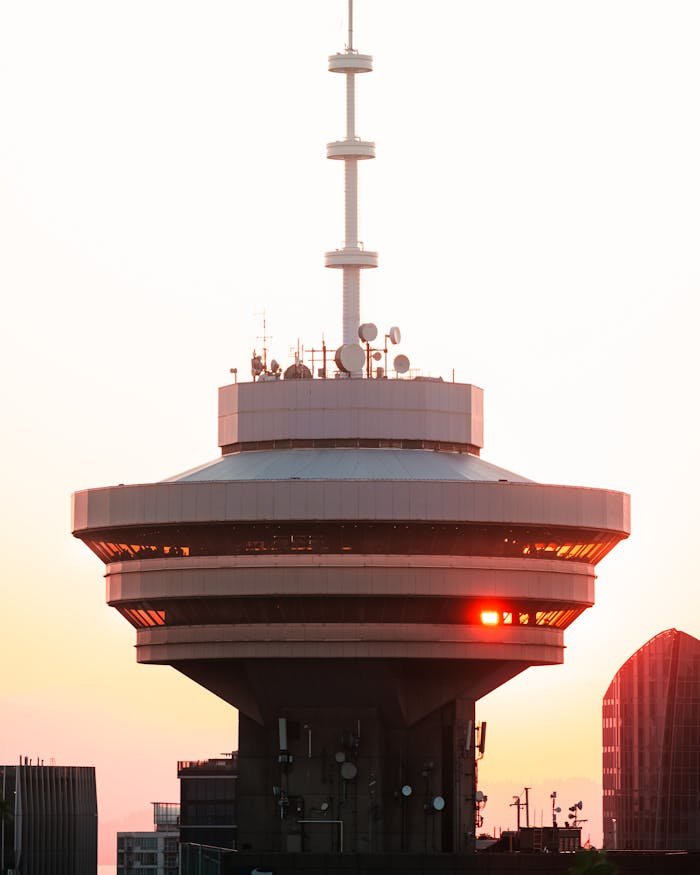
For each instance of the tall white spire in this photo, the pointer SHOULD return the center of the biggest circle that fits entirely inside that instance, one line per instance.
(352, 257)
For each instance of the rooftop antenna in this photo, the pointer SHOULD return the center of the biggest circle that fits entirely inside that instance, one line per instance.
(353, 257)
(264, 338)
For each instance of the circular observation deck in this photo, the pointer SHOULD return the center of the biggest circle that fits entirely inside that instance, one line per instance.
(321, 534)
(351, 258)
(350, 62)
(357, 149)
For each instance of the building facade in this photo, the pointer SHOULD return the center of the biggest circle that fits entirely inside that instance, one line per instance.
(48, 823)
(154, 852)
(651, 747)
(208, 801)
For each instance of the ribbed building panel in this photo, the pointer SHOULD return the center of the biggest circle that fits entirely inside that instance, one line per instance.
(651, 747)
(54, 821)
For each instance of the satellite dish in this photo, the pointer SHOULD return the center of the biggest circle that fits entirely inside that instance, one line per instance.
(395, 334)
(324, 806)
(401, 364)
(479, 796)
(558, 810)
(256, 365)
(350, 357)
(348, 770)
(340, 757)
(406, 790)
(367, 332)
(438, 803)
(274, 366)
(579, 805)
(377, 356)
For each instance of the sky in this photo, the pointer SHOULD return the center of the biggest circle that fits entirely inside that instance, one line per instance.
(536, 206)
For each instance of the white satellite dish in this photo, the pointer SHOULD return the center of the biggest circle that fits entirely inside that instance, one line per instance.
(340, 757)
(348, 770)
(395, 334)
(438, 803)
(401, 364)
(367, 332)
(350, 357)
(406, 790)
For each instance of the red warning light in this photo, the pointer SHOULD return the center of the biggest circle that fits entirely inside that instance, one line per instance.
(490, 618)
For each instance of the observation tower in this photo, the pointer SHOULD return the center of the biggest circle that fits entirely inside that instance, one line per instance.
(352, 576)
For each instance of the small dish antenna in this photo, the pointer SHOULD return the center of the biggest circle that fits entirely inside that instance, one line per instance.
(377, 356)
(348, 770)
(438, 803)
(406, 790)
(395, 334)
(367, 332)
(340, 756)
(350, 358)
(401, 364)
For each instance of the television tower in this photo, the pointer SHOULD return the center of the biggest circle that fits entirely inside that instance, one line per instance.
(352, 576)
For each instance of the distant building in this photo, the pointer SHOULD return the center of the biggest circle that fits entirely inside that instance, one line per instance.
(208, 801)
(651, 747)
(155, 852)
(48, 820)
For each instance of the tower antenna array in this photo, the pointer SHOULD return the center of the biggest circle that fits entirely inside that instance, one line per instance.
(352, 257)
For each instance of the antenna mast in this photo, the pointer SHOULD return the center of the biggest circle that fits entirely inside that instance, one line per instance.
(352, 258)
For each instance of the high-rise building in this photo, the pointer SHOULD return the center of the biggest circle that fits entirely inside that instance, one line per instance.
(651, 747)
(153, 852)
(208, 801)
(48, 820)
(352, 576)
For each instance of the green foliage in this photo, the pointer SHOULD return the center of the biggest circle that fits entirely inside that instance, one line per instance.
(592, 862)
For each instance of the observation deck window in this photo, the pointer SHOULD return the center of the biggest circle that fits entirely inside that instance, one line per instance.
(360, 609)
(372, 538)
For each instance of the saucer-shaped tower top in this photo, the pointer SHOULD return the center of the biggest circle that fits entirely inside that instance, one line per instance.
(346, 520)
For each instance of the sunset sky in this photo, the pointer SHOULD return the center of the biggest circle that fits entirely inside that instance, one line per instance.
(536, 206)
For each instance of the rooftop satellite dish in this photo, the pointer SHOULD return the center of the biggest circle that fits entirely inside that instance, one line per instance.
(406, 790)
(348, 770)
(324, 806)
(367, 332)
(350, 358)
(395, 334)
(340, 756)
(438, 803)
(274, 366)
(401, 364)
(377, 356)
(479, 796)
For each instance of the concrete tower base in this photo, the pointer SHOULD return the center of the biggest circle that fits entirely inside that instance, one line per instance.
(338, 786)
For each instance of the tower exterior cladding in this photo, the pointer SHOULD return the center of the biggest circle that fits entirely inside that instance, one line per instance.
(651, 747)
(351, 576)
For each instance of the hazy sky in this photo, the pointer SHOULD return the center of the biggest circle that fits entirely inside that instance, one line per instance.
(536, 206)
